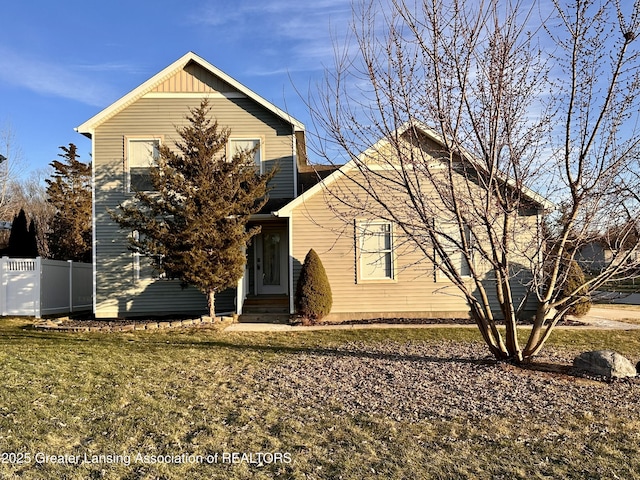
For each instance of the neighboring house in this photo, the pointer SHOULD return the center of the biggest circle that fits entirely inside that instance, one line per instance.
(597, 255)
(300, 214)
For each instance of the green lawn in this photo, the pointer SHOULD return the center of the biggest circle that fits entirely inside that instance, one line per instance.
(123, 402)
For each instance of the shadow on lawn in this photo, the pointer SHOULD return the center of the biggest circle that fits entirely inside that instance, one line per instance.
(343, 352)
(116, 339)
(488, 360)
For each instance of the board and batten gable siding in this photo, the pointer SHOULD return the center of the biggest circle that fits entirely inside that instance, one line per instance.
(117, 293)
(193, 79)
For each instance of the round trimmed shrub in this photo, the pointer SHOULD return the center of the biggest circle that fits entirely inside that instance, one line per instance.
(313, 298)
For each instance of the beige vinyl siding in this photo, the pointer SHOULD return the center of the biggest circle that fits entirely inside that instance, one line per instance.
(332, 233)
(157, 117)
(116, 292)
(325, 224)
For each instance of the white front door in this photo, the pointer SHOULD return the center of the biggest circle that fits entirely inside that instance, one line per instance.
(271, 261)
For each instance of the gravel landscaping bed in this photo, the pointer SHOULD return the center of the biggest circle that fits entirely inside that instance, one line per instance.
(413, 381)
(434, 321)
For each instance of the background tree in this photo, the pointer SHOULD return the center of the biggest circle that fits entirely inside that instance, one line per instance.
(513, 118)
(32, 245)
(69, 192)
(11, 167)
(31, 192)
(22, 239)
(196, 219)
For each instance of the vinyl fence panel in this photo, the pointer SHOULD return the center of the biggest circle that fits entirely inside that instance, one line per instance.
(37, 287)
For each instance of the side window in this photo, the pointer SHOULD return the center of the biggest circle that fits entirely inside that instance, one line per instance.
(375, 242)
(452, 250)
(242, 144)
(144, 266)
(142, 155)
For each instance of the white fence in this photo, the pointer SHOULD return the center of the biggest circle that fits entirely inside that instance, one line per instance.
(35, 287)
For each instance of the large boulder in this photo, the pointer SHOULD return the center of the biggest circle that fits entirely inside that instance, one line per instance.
(605, 363)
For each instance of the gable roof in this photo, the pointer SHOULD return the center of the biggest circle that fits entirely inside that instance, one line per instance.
(88, 127)
(431, 134)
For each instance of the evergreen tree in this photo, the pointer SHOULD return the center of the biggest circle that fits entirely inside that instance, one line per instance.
(21, 241)
(580, 299)
(313, 298)
(69, 191)
(196, 219)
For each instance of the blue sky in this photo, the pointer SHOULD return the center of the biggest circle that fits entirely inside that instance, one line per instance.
(62, 62)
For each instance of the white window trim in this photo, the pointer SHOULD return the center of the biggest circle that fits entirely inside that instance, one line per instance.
(137, 269)
(127, 140)
(248, 138)
(454, 250)
(136, 258)
(360, 228)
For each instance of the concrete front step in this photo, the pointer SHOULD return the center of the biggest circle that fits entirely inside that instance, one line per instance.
(266, 304)
(273, 310)
(275, 318)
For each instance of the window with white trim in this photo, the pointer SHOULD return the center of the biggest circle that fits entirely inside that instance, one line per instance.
(246, 144)
(142, 155)
(453, 249)
(148, 268)
(376, 260)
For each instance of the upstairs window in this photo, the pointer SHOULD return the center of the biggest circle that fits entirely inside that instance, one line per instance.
(142, 155)
(241, 144)
(376, 260)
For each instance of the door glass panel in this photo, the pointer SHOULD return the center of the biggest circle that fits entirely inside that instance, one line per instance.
(251, 268)
(271, 258)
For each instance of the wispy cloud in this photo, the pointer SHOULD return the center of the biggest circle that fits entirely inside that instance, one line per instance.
(48, 78)
(111, 67)
(229, 13)
(298, 36)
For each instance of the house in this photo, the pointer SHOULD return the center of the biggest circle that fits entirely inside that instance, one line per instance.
(595, 256)
(372, 274)
(124, 137)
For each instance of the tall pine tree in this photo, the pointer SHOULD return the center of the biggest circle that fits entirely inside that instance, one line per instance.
(69, 191)
(196, 219)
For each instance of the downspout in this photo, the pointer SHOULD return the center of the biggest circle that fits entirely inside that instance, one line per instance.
(294, 155)
(290, 248)
(241, 288)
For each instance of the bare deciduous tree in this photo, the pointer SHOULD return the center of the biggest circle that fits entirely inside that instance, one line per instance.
(479, 105)
(20, 191)
(29, 193)
(11, 166)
